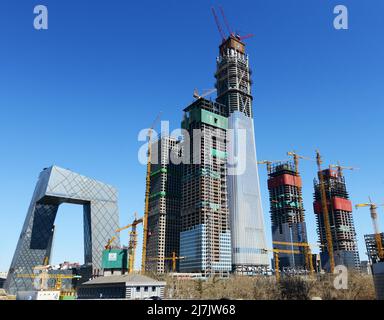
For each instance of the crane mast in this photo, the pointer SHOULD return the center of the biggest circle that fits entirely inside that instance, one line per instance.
(325, 213)
(373, 212)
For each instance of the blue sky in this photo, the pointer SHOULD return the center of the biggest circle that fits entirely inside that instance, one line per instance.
(77, 95)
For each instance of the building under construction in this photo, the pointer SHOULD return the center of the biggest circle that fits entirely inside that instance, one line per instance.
(372, 250)
(340, 218)
(287, 215)
(233, 84)
(205, 239)
(164, 205)
(376, 262)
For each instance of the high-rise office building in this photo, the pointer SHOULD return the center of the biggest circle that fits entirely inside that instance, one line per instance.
(164, 205)
(233, 84)
(205, 239)
(340, 219)
(287, 215)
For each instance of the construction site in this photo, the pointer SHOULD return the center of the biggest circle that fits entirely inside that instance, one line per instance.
(203, 229)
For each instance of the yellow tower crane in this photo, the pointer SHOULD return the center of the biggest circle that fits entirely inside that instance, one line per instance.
(205, 93)
(269, 163)
(373, 210)
(327, 225)
(174, 259)
(296, 158)
(147, 194)
(340, 168)
(109, 243)
(307, 249)
(276, 253)
(45, 276)
(132, 241)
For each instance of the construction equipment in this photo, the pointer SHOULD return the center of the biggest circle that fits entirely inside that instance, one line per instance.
(45, 276)
(132, 241)
(325, 213)
(218, 24)
(174, 259)
(108, 246)
(276, 253)
(307, 251)
(147, 194)
(231, 33)
(341, 168)
(206, 93)
(373, 210)
(269, 163)
(296, 158)
(225, 21)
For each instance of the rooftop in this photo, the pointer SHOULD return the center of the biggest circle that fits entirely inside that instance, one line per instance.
(136, 279)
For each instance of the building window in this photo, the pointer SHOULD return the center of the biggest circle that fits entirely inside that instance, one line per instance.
(145, 289)
(137, 289)
(153, 289)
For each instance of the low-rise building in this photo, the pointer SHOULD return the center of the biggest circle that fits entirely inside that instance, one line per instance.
(128, 286)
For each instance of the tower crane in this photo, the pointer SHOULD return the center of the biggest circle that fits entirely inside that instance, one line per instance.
(341, 168)
(207, 92)
(174, 259)
(296, 158)
(226, 21)
(269, 163)
(231, 34)
(147, 194)
(132, 241)
(324, 205)
(109, 243)
(218, 24)
(373, 210)
(44, 276)
(307, 251)
(276, 253)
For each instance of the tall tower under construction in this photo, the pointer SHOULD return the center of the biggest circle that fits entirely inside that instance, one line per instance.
(164, 206)
(287, 215)
(205, 239)
(340, 219)
(233, 84)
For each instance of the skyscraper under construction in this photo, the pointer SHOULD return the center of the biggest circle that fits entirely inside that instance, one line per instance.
(164, 205)
(287, 215)
(233, 84)
(340, 219)
(205, 239)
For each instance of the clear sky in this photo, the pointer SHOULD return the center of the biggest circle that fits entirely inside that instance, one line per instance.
(77, 95)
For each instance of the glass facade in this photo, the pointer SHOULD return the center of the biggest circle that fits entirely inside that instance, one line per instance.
(244, 199)
(193, 246)
(55, 187)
